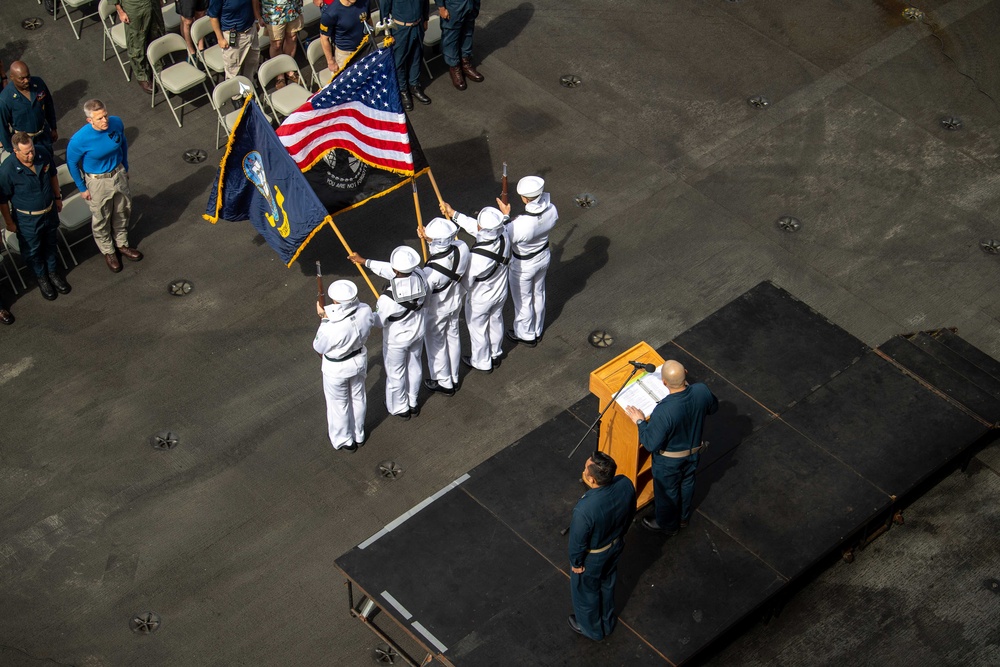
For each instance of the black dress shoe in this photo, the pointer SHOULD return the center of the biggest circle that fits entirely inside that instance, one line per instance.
(419, 95)
(511, 337)
(468, 362)
(353, 447)
(683, 524)
(45, 287)
(414, 411)
(61, 285)
(6, 316)
(433, 385)
(650, 524)
(496, 362)
(573, 624)
(404, 416)
(407, 100)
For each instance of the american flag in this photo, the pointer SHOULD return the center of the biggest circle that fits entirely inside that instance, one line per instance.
(359, 111)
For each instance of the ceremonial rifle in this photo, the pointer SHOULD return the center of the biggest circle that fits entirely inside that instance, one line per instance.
(320, 295)
(503, 185)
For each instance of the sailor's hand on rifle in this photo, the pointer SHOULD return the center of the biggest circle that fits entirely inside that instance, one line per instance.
(504, 208)
(446, 210)
(320, 310)
(356, 258)
(421, 233)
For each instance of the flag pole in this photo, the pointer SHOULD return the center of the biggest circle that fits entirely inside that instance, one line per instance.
(420, 223)
(434, 185)
(361, 269)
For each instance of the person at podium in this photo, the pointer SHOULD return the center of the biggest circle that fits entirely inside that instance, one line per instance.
(596, 539)
(673, 435)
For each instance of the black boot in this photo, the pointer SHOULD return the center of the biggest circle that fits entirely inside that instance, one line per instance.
(419, 95)
(45, 287)
(57, 281)
(407, 100)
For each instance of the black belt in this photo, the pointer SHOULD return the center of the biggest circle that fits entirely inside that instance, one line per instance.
(346, 356)
(531, 255)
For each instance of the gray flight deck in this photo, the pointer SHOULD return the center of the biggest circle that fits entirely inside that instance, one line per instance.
(231, 536)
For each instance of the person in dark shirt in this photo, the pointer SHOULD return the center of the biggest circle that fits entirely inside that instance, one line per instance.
(235, 26)
(26, 105)
(458, 23)
(601, 518)
(341, 29)
(409, 22)
(673, 435)
(30, 203)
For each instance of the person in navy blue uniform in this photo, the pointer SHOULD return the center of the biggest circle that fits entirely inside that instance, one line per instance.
(596, 540)
(458, 22)
(673, 435)
(26, 106)
(30, 203)
(409, 21)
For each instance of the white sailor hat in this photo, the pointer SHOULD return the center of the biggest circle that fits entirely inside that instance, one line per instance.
(530, 186)
(440, 229)
(342, 291)
(490, 218)
(404, 259)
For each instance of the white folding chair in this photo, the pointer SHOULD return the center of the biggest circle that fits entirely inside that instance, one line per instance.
(176, 78)
(210, 57)
(432, 39)
(314, 54)
(114, 32)
(225, 91)
(74, 215)
(67, 5)
(285, 100)
(310, 17)
(4, 256)
(12, 247)
(171, 19)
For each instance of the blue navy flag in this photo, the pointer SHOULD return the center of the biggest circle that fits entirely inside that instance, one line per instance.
(259, 181)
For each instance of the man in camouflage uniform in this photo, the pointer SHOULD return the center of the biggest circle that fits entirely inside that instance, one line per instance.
(143, 21)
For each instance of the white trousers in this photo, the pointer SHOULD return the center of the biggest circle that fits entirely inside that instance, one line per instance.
(444, 348)
(527, 292)
(485, 322)
(403, 373)
(346, 404)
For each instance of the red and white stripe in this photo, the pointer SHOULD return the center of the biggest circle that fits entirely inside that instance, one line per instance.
(379, 138)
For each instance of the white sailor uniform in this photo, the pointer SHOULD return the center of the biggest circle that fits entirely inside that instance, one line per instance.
(486, 287)
(444, 271)
(529, 236)
(341, 340)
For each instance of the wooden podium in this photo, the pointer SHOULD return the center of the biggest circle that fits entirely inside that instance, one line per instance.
(618, 434)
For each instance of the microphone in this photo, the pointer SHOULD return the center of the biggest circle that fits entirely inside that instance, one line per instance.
(649, 368)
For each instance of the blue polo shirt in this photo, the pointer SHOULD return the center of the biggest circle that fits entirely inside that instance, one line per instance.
(232, 14)
(93, 152)
(344, 25)
(27, 188)
(25, 113)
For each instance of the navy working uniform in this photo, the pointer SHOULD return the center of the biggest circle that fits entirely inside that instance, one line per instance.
(33, 113)
(673, 435)
(31, 193)
(458, 23)
(408, 19)
(596, 539)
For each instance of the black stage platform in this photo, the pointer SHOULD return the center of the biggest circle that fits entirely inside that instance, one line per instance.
(817, 442)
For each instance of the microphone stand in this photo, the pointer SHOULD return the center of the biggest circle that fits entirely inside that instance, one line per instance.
(635, 369)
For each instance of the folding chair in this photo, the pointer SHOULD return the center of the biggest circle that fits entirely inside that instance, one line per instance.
(4, 256)
(114, 32)
(177, 78)
(225, 91)
(68, 5)
(74, 215)
(210, 57)
(432, 38)
(12, 247)
(286, 100)
(314, 54)
(171, 19)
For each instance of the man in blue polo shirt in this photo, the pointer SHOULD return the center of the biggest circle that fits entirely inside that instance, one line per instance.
(26, 105)
(341, 29)
(30, 203)
(673, 435)
(97, 157)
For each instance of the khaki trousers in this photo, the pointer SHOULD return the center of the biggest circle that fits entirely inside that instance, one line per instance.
(110, 208)
(241, 57)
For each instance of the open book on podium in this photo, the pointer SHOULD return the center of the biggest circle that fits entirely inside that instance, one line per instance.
(618, 436)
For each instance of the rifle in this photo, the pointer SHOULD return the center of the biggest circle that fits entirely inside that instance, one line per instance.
(320, 293)
(503, 185)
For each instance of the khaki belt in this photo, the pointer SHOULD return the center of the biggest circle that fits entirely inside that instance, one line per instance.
(107, 174)
(407, 25)
(684, 453)
(30, 134)
(43, 212)
(604, 548)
